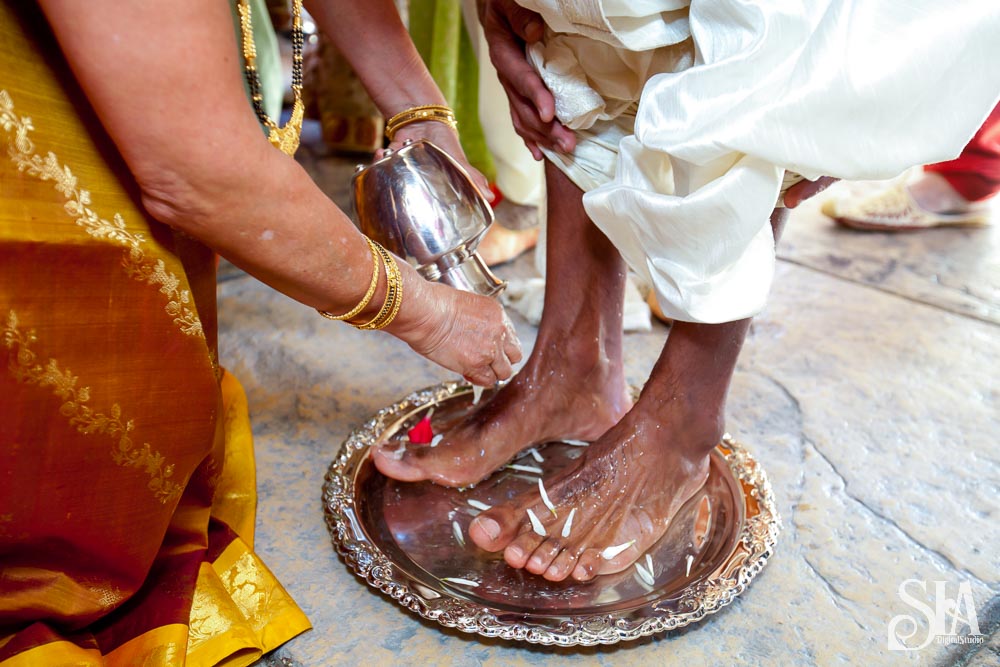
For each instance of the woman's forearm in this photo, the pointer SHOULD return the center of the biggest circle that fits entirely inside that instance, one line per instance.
(166, 83)
(272, 221)
(374, 40)
(165, 80)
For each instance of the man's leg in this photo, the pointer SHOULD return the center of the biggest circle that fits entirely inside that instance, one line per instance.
(630, 482)
(573, 384)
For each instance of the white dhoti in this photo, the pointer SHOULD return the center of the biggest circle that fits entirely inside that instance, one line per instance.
(689, 115)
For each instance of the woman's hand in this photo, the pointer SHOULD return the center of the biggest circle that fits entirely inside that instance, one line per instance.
(464, 332)
(508, 28)
(446, 139)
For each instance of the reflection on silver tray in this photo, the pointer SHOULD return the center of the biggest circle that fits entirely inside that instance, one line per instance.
(399, 537)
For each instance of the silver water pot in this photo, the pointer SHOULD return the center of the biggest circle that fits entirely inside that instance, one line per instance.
(421, 205)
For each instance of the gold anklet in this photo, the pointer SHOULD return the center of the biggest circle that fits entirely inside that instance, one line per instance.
(436, 112)
(366, 299)
(393, 294)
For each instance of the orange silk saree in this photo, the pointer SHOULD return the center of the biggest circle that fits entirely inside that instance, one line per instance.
(127, 488)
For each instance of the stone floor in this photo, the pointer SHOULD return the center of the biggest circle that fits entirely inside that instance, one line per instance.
(868, 390)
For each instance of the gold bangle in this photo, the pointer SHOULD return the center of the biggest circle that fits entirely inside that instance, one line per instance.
(436, 112)
(393, 295)
(366, 299)
(399, 296)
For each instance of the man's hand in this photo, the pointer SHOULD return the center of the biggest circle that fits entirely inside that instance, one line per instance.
(508, 28)
(803, 190)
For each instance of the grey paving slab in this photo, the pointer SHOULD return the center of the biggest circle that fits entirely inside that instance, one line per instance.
(955, 269)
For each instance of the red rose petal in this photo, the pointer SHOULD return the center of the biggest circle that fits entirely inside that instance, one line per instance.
(422, 433)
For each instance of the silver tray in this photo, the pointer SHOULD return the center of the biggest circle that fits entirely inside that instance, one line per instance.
(399, 538)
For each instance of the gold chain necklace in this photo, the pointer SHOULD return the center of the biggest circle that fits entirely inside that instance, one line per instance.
(286, 138)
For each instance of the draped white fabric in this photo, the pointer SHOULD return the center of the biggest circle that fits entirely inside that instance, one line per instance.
(731, 94)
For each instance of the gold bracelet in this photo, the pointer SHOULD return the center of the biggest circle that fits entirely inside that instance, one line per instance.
(436, 112)
(393, 295)
(366, 299)
(399, 295)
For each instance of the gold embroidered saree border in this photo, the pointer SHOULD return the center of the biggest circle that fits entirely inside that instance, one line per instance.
(239, 611)
(162, 647)
(267, 607)
(22, 151)
(23, 368)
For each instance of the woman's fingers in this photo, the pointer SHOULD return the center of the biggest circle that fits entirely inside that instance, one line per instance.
(482, 377)
(508, 352)
(501, 365)
(511, 343)
(464, 332)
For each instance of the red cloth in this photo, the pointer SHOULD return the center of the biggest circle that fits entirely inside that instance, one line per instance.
(975, 174)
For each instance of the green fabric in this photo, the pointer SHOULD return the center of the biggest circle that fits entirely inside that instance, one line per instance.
(439, 33)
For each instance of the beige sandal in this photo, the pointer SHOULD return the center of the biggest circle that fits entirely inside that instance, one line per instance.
(895, 209)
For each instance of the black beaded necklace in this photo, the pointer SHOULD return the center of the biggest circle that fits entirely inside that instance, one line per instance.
(284, 138)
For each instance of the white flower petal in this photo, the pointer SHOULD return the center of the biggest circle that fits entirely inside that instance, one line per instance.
(478, 505)
(611, 552)
(690, 559)
(577, 443)
(477, 393)
(436, 440)
(397, 454)
(460, 581)
(644, 574)
(568, 526)
(457, 532)
(642, 582)
(545, 498)
(523, 468)
(535, 455)
(536, 525)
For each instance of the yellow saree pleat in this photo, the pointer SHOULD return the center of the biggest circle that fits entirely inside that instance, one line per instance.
(127, 491)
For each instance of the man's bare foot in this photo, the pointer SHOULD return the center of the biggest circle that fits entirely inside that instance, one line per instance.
(608, 510)
(557, 395)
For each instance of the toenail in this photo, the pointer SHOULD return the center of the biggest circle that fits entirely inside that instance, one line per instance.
(536, 562)
(515, 553)
(491, 527)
